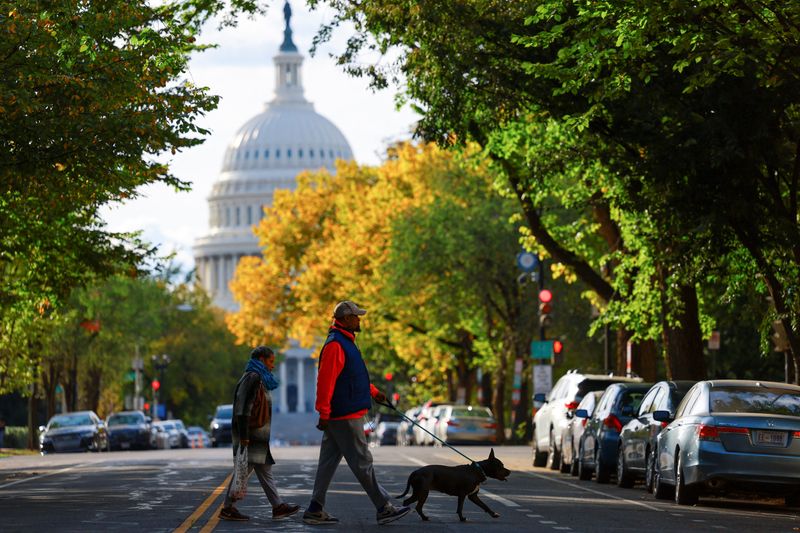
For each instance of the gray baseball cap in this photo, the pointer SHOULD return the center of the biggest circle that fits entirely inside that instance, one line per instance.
(347, 307)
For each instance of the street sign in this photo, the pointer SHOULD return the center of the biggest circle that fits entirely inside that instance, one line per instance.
(542, 378)
(714, 341)
(527, 262)
(542, 350)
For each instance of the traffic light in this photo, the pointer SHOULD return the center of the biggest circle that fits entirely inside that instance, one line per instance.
(146, 407)
(558, 347)
(545, 308)
(156, 384)
(388, 376)
(395, 398)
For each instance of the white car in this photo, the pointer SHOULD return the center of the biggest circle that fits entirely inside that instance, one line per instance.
(551, 421)
(165, 435)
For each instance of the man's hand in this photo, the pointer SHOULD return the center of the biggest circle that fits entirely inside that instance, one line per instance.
(244, 443)
(322, 425)
(380, 397)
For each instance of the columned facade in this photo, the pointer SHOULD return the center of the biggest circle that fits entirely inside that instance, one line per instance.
(267, 153)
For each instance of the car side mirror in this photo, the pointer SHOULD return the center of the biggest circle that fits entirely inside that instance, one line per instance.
(662, 416)
(582, 413)
(540, 397)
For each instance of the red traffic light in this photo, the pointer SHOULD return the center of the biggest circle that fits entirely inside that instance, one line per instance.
(146, 406)
(396, 397)
(558, 346)
(156, 384)
(545, 296)
(388, 376)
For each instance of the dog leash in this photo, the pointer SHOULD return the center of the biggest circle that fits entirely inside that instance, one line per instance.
(396, 410)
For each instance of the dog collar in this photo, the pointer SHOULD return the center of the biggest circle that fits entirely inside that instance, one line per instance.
(480, 469)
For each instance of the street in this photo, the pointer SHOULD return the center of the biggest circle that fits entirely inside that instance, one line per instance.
(181, 490)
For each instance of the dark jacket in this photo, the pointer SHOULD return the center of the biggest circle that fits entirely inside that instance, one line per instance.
(258, 449)
(352, 390)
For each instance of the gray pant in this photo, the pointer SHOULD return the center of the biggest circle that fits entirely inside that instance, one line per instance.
(345, 438)
(264, 474)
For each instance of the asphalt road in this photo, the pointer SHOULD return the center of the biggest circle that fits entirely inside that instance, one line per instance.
(181, 490)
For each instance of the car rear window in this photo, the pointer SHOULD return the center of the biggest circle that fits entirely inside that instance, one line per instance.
(632, 398)
(591, 385)
(772, 401)
(474, 412)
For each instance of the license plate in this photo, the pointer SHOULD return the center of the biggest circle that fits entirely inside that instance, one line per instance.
(771, 438)
(124, 445)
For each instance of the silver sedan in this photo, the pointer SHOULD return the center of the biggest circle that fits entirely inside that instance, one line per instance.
(731, 435)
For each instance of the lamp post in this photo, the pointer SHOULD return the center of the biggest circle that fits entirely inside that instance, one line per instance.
(160, 363)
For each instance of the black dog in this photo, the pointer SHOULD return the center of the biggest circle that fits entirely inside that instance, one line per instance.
(463, 481)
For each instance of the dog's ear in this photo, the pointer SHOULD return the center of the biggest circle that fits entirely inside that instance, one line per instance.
(491, 454)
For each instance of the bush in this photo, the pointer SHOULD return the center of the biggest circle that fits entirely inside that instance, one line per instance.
(16, 437)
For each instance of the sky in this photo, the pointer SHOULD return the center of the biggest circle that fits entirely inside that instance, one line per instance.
(241, 72)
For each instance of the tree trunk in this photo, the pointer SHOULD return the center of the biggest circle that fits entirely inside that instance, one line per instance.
(33, 415)
(683, 344)
(522, 412)
(93, 388)
(499, 400)
(486, 389)
(451, 393)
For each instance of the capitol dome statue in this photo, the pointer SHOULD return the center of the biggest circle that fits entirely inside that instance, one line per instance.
(267, 153)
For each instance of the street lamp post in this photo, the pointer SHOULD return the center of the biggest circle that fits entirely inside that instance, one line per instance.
(160, 363)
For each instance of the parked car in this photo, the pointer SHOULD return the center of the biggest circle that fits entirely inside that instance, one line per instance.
(575, 429)
(81, 431)
(184, 435)
(129, 429)
(165, 435)
(431, 424)
(637, 440)
(221, 425)
(551, 419)
(466, 424)
(386, 425)
(405, 431)
(597, 449)
(198, 437)
(731, 435)
(424, 419)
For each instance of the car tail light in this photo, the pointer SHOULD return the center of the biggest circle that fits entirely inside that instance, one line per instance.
(583, 422)
(571, 405)
(613, 422)
(706, 432)
(490, 426)
(452, 423)
(796, 434)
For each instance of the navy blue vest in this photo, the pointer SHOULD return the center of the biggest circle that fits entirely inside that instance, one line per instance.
(351, 392)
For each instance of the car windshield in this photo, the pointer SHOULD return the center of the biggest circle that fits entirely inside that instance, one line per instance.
(224, 412)
(633, 399)
(771, 401)
(473, 412)
(179, 424)
(70, 420)
(590, 385)
(194, 429)
(123, 420)
(169, 426)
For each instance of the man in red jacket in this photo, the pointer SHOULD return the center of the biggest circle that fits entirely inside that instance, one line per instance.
(344, 395)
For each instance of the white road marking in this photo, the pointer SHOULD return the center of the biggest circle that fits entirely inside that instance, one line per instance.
(495, 497)
(534, 516)
(40, 476)
(548, 522)
(563, 528)
(573, 485)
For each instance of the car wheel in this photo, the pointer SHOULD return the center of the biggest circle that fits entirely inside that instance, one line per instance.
(584, 473)
(684, 494)
(573, 470)
(649, 471)
(553, 456)
(602, 471)
(625, 479)
(539, 458)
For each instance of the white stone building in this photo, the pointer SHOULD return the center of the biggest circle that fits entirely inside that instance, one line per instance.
(266, 154)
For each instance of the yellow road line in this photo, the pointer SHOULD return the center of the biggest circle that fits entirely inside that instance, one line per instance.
(213, 521)
(189, 522)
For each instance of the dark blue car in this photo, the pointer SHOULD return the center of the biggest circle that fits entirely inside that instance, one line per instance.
(597, 453)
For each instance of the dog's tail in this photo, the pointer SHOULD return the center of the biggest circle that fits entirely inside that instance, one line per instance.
(408, 486)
